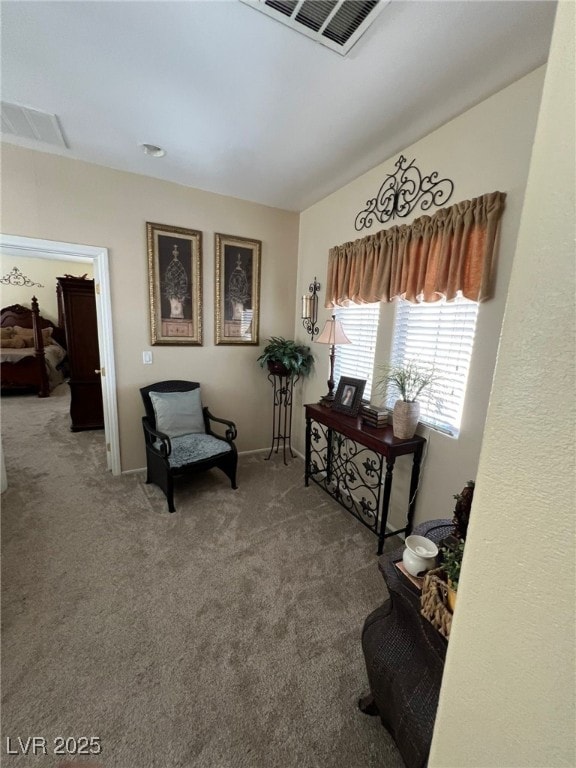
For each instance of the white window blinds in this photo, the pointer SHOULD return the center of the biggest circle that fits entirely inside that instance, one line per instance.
(438, 336)
(360, 323)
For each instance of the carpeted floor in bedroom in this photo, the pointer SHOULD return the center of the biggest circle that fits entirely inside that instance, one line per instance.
(226, 635)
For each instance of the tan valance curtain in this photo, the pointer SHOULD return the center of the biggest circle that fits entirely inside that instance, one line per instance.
(431, 258)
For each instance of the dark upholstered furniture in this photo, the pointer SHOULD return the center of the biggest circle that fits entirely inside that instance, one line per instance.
(404, 657)
(169, 457)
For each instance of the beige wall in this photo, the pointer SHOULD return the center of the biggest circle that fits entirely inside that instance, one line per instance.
(483, 150)
(47, 196)
(507, 698)
(43, 271)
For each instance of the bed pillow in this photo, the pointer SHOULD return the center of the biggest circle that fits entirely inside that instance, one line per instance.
(7, 332)
(28, 335)
(178, 413)
(17, 342)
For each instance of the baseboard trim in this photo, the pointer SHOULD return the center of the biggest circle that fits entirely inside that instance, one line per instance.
(240, 453)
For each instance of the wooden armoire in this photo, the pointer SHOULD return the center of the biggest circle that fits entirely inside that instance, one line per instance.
(77, 315)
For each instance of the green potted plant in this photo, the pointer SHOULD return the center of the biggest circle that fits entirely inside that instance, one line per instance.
(408, 380)
(451, 562)
(285, 357)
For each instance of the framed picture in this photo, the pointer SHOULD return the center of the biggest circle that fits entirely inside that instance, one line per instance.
(175, 284)
(349, 395)
(237, 289)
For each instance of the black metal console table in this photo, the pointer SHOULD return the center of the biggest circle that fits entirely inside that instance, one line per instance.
(283, 387)
(346, 458)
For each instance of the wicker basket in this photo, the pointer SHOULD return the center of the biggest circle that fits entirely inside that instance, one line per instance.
(434, 602)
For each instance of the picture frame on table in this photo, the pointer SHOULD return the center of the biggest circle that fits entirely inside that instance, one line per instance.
(174, 284)
(237, 289)
(348, 397)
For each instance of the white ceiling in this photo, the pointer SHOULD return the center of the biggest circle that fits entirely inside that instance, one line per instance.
(243, 105)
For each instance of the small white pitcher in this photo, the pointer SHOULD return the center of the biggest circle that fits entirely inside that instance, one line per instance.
(419, 555)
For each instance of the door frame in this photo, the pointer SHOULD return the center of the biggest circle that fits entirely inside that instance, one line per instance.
(16, 245)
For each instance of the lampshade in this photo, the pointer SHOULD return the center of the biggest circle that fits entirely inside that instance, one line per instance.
(333, 333)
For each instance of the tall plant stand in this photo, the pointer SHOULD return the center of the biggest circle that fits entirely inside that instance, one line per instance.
(283, 387)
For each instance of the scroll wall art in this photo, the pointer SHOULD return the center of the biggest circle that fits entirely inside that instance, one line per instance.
(401, 192)
(18, 278)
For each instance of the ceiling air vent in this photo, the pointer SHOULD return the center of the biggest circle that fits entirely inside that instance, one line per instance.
(337, 24)
(31, 124)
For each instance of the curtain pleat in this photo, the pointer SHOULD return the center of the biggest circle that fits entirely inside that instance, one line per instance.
(434, 257)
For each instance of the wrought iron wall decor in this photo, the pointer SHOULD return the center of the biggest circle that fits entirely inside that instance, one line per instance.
(16, 277)
(401, 192)
(310, 309)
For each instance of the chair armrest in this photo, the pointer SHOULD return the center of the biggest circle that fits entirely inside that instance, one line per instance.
(166, 446)
(231, 432)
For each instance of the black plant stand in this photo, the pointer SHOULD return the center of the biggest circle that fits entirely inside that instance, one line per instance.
(282, 416)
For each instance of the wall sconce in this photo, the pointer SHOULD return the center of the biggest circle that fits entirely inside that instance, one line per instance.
(310, 309)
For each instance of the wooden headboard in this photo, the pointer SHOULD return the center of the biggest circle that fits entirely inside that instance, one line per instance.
(16, 314)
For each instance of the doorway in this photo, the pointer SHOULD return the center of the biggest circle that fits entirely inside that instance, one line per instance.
(15, 245)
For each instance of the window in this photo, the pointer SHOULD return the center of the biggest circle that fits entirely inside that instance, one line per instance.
(441, 336)
(360, 323)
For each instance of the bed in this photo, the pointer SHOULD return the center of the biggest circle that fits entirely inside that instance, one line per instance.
(32, 351)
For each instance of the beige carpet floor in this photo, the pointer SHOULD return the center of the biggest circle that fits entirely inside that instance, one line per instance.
(226, 635)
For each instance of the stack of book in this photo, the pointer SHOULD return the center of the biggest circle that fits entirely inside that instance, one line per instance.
(374, 417)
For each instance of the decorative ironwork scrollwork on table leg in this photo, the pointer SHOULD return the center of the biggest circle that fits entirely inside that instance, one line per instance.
(347, 471)
(414, 481)
(346, 459)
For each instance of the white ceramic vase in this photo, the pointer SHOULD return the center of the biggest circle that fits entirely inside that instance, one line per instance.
(419, 555)
(405, 419)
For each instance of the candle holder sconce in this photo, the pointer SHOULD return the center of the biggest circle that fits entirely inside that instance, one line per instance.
(310, 309)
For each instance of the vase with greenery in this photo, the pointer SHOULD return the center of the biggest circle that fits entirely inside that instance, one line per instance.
(451, 563)
(408, 381)
(285, 357)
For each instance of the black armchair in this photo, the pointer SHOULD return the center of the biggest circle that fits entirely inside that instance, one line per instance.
(179, 436)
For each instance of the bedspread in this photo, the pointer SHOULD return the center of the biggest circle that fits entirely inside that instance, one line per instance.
(53, 353)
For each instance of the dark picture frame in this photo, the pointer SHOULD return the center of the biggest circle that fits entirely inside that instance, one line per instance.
(237, 299)
(175, 285)
(348, 395)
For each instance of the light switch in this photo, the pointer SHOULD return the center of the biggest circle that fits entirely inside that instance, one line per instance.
(147, 357)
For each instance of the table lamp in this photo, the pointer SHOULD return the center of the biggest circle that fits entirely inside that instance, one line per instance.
(332, 334)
